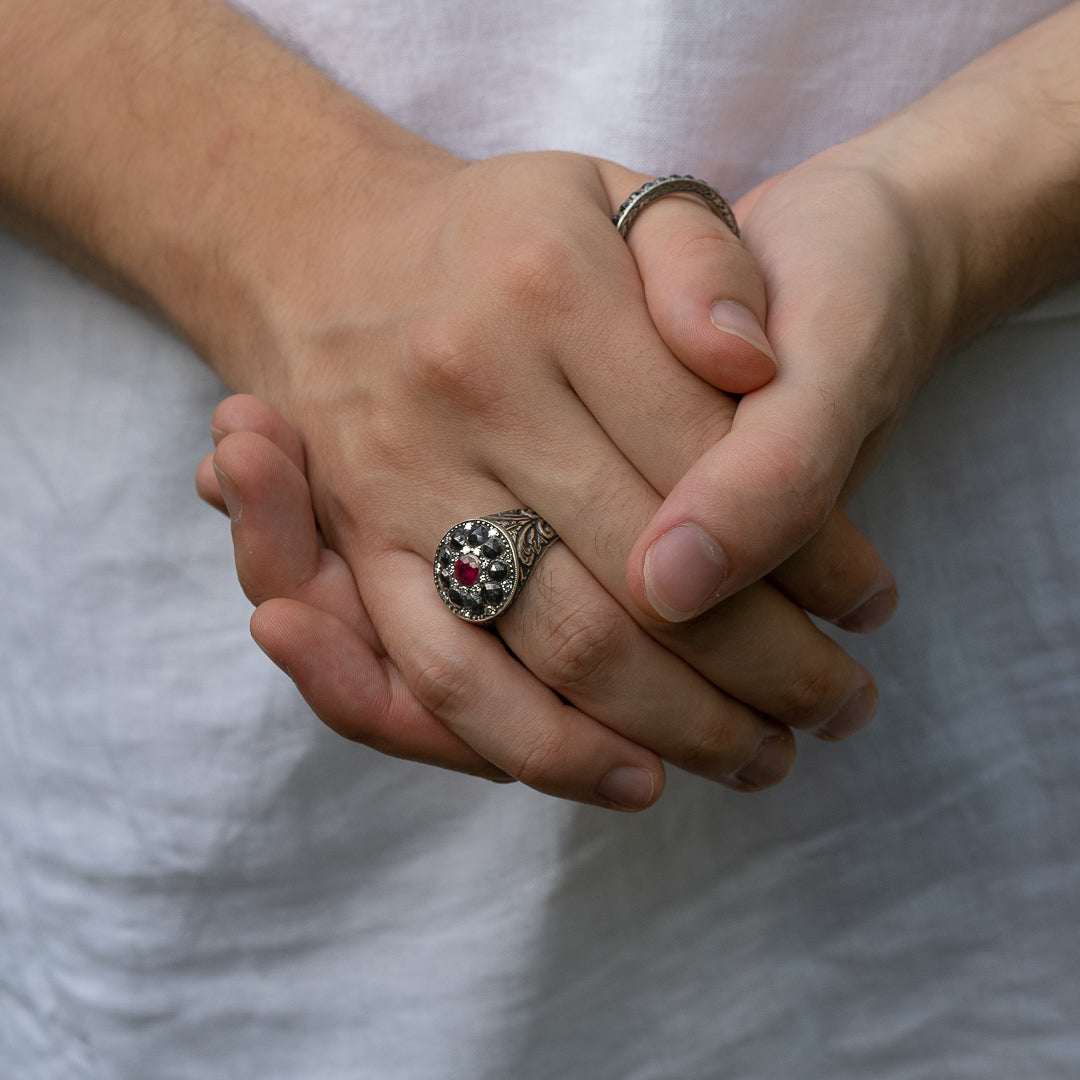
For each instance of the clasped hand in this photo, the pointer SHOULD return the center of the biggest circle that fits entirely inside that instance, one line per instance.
(493, 343)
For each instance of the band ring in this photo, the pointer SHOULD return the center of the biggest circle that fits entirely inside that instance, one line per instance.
(482, 564)
(661, 188)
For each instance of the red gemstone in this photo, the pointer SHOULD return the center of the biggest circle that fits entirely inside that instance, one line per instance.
(467, 570)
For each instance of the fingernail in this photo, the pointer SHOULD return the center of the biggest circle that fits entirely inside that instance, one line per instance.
(875, 612)
(735, 319)
(684, 573)
(628, 788)
(768, 766)
(216, 434)
(229, 493)
(852, 716)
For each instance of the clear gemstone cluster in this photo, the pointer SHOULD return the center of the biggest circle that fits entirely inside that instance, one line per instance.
(474, 570)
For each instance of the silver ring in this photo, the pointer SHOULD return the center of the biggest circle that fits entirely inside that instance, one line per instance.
(481, 565)
(661, 188)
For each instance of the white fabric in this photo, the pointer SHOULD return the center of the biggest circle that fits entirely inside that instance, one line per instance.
(197, 880)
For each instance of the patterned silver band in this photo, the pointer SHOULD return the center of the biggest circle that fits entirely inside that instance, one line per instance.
(661, 188)
(481, 565)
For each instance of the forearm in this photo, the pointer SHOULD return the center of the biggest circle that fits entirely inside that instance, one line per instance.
(991, 161)
(185, 153)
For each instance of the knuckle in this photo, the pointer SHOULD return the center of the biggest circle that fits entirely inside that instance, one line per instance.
(840, 574)
(715, 243)
(811, 494)
(453, 369)
(604, 491)
(714, 749)
(702, 430)
(452, 363)
(541, 278)
(444, 684)
(829, 578)
(811, 695)
(838, 585)
(582, 644)
(536, 763)
(798, 484)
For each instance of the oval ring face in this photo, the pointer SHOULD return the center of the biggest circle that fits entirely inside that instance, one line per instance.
(476, 570)
(482, 564)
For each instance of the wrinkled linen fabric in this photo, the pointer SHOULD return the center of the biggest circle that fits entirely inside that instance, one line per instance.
(198, 880)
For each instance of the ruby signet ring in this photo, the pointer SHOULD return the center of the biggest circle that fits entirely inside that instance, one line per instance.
(481, 565)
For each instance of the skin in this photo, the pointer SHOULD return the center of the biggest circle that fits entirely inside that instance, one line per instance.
(439, 333)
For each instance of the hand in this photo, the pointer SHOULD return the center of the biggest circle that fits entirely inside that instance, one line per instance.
(317, 630)
(491, 350)
(879, 256)
(853, 323)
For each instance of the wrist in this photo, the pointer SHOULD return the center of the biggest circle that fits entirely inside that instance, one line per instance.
(989, 165)
(293, 232)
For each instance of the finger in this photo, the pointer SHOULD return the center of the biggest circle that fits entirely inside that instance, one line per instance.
(206, 484)
(585, 647)
(769, 654)
(276, 544)
(848, 368)
(703, 288)
(278, 554)
(634, 690)
(466, 678)
(764, 652)
(577, 640)
(354, 692)
(580, 643)
(668, 438)
(310, 619)
(666, 420)
(275, 540)
(705, 294)
(838, 575)
(245, 412)
(687, 258)
(747, 504)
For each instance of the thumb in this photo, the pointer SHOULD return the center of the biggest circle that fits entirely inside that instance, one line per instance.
(705, 293)
(746, 504)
